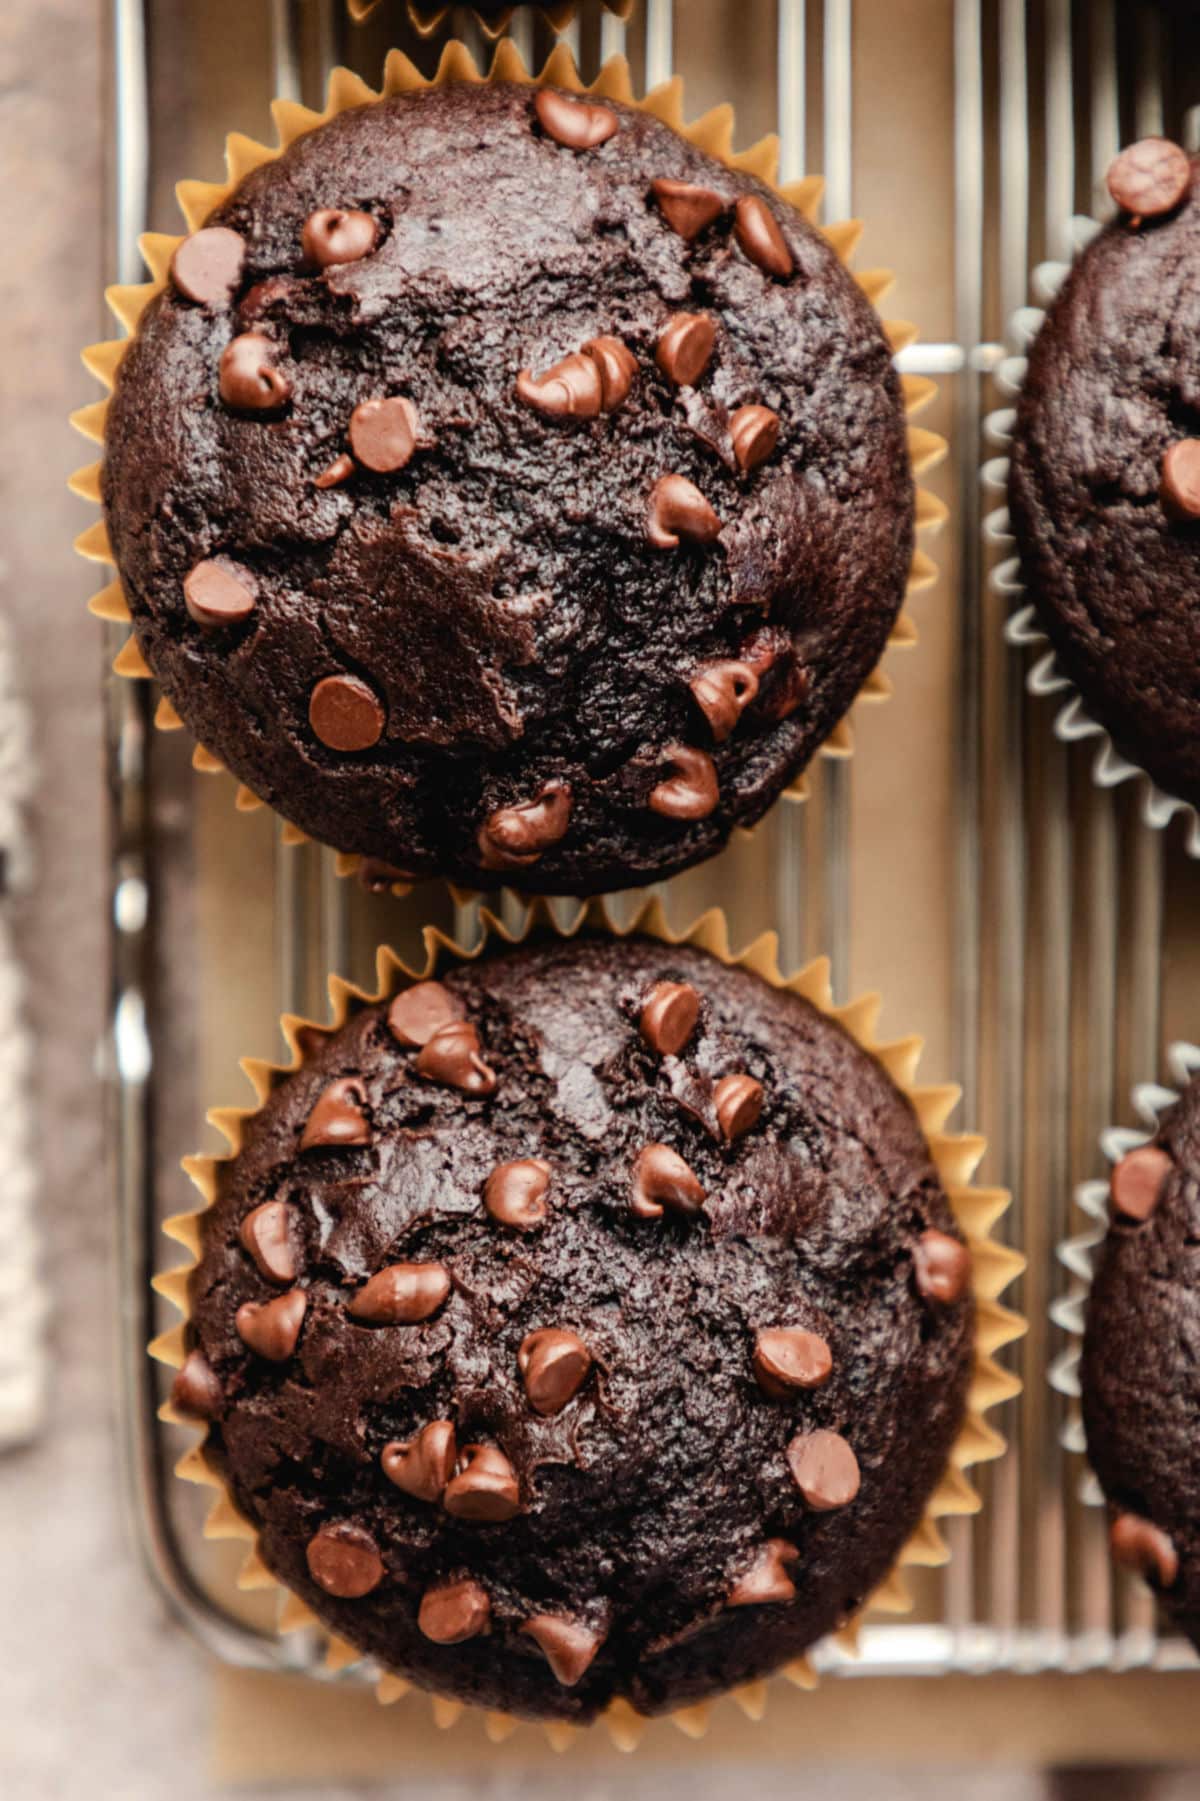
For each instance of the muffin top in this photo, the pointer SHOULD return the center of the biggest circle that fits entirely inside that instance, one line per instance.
(1104, 489)
(1140, 1372)
(505, 489)
(590, 1322)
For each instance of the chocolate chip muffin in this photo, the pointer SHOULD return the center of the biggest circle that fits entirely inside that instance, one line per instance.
(587, 1322)
(1140, 1372)
(1104, 489)
(505, 489)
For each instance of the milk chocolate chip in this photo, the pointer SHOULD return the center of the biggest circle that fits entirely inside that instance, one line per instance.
(207, 267)
(824, 1469)
(402, 1294)
(264, 1233)
(1149, 178)
(217, 592)
(423, 1465)
(690, 791)
(249, 379)
(577, 124)
(758, 233)
(679, 510)
(338, 1117)
(514, 837)
(723, 691)
(515, 1193)
(333, 236)
(661, 1179)
(554, 1364)
(344, 1560)
(687, 208)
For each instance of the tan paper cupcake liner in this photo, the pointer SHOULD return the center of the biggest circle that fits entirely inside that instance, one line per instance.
(712, 133)
(428, 15)
(1072, 721)
(956, 1157)
(1078, 1253)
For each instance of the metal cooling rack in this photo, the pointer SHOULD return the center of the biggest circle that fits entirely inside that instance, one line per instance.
(1071, 916)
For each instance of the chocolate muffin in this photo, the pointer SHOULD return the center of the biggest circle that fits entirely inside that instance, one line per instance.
(1104, 489)
(1140, 1372)
(505, 489)
(588, 1322)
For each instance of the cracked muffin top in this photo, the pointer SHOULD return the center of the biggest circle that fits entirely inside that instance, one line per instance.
(505, 489)
(587, 1323)
(1104, 489)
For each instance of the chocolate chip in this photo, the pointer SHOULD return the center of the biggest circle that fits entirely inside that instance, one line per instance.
(485, 1488)
(272, 1328)
(787, 1358)
(1149, 178)
(687, 208)
(196, 1389)
(207, 267)
(767, 1578)
(572, 389)
(339, 471)
(723, 691)
(1179, 482)
(345, 713)
(554, 1364)
(333, 236)
(276, 292)
(617, 365)
(383, 433)
(757, 231)
(824, 1469)
(454, 1611)
(337, 1117)
(514, 837)
(942, 1267)
(217, 592)
(1140, 1545)
(754, 433)
(679, 510)
(567, 1645)
(264, 1234)
(668, 1017)
(249, 379)
(452, 1055)
(1137, 1181)
(418, 1012)
(577, 124)
(423, 1465)
(769, 652)
(661, 1179)
(401, 1295)
(685, 345)
(515, 1193)
(690, 791)
(739, 1102)
(344, 1560)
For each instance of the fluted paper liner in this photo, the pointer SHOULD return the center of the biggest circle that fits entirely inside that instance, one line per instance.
(956, 1157)
(712, 133)
(1072, 721)
(1077, 1254)
(427, 15)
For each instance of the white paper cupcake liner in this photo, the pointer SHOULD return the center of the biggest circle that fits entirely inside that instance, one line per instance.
(1078, 1254)
(1072, 721)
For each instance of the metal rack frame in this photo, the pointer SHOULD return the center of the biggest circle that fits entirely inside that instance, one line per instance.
(1070, 881)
